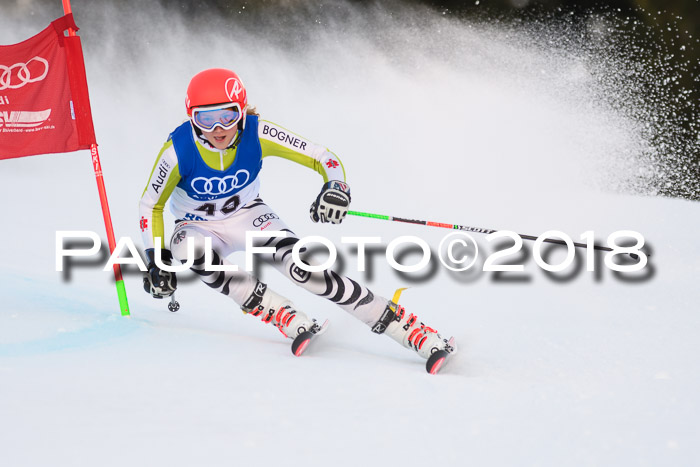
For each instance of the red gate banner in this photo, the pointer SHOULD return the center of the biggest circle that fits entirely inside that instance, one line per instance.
(44, 102)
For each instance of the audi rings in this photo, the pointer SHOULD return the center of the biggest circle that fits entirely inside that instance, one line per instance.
(264, 218)
(220, 185)
(23, 75)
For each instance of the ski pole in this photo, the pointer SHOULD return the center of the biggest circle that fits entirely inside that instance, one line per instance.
(469, 229)
(173, 305)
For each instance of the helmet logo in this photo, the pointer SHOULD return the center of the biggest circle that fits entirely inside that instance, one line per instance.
(233, 87)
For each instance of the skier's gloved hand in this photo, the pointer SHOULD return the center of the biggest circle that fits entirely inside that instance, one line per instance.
(157, 282)
(332, 203)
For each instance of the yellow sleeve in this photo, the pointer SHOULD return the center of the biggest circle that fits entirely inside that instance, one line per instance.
(163, 179)
(280, 142)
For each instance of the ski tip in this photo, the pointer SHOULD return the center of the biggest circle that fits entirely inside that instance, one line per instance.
(436, 367)
(436, 361)
(301, 342)
(300, 350)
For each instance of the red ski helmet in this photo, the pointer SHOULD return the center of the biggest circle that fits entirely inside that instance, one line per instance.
(216, 86)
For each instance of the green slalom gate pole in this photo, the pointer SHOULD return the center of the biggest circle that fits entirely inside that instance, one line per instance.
(118, 279)
(97, 167)
(465, 228)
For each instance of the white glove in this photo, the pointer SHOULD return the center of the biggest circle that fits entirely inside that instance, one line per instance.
(332, 203)
(157, 282)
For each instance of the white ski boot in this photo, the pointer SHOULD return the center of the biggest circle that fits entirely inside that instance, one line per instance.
(409, 331)
(278, 310)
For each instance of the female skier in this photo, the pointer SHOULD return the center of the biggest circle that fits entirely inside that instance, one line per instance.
(208, 169)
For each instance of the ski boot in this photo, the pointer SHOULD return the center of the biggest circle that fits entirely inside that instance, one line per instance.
(408, 331)
(274, 308)
(411, 333)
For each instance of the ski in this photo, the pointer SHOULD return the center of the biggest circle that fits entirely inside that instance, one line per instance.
(302, 341)
(438, 359)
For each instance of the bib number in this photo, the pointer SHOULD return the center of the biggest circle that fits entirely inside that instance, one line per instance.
(231, 204)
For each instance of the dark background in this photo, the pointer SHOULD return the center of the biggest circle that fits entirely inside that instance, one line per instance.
(672, 26)
(661, 35)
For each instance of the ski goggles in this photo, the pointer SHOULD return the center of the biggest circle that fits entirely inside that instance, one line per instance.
(225, 116)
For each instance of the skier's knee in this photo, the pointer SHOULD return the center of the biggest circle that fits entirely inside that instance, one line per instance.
(187, 243)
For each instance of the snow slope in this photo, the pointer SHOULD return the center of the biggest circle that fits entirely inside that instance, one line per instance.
(478, 128)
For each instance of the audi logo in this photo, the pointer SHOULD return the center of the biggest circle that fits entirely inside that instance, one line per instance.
(11, 80)
(220, 185)
(264, 218)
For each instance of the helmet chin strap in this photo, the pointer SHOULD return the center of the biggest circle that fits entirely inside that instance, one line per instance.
(234, 141)
(241, 127)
